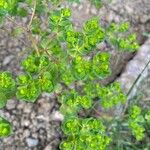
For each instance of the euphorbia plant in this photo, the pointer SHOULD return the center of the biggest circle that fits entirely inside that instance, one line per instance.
(50, 66)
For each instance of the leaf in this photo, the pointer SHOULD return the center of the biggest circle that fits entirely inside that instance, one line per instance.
(101, 65)
(3, 100)
(29, 92)
(5, 128)
(6, 82)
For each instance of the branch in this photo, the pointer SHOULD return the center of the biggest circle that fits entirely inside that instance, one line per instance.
(32, 16)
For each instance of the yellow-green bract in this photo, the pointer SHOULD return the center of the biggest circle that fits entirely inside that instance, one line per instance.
(5, 127)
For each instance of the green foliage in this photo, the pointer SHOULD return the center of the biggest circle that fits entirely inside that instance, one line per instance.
(81, 43)
(81, 68)
(8, 6)
(6, 82)
(90, 89)
(29, 91)
(101, 64)
(34, 64)
(64, 57)
(135, 122)
(5, 128)
(46, 82)
(59, 22)
(111, 95)
(7, 87)
(116, 35)
(84, 134)
(73, 102)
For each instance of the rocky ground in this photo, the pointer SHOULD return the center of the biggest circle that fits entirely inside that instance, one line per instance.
(37, 126)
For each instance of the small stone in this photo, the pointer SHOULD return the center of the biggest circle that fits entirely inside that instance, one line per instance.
(48, 147)
(93, 11)
(26, 133)
(87, 11)
(27, 108)
(11, 104)
(57, 116)
(7, 60)
(80, 7)
(74, 5)
(31, 142)
(25, 123)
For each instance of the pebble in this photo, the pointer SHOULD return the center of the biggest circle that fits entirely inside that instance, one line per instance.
(74, 5)
(94, 11)
(31, 142)
(57, 116)
(26, 133)
(48, 147)
(7, 60)
(25, 123)
(11, 104)
(80, 7)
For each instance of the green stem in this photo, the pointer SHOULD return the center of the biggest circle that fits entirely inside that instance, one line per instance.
(130, 90)
(133, 85)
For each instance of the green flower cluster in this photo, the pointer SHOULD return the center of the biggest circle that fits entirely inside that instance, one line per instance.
(6, 82)
(73, 102)
(68, 77)
(28, 91)
(29, 88)
(38, 78)
(5, 128)
(101, 64)
(7, 87)
(90, 89)
(59, 22)
(45, 81)
(11, 7)
(34, 64)
(128, 43)
(77, 42)
(3, 4)
(135, 122)
(3, 7)
(74, 41)
(81, 68)
(123, 42)
(111, 95)
(84, 134)
(93, 32)
(85, 41)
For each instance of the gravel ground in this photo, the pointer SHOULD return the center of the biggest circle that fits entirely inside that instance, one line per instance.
(37, 126)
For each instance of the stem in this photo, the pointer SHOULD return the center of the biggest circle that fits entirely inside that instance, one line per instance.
(130, 90)
(28, 32)
(134, 83)
(33, 43)
(32, 16)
